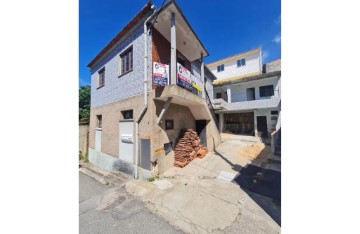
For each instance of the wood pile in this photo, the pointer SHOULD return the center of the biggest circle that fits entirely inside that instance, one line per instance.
(188, 147)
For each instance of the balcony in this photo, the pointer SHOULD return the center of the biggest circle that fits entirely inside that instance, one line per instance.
(220, 104)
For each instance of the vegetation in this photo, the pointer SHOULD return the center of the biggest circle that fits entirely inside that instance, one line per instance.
(84, 103)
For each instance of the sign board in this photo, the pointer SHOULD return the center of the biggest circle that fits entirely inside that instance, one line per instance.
(160, 74)
(188, 81)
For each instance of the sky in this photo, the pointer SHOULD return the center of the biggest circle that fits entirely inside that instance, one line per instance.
(225, 27)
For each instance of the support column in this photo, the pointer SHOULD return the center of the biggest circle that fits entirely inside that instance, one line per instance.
(228, 91)
(203, 75)
(173, 49)
(255, 124)
(221, 122)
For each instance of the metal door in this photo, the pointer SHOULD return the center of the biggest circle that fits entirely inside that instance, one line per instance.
(126, 140)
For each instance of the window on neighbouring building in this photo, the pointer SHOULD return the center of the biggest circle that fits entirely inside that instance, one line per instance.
(266, 91)
(218, 95)
(99, 121)
(127, 61)
(241, 62)
(169, 124)
(220, 68)
(101, 78)
(128, 114)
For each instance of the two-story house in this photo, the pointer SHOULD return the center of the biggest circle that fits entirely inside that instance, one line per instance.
(246, 99)
(147, 84)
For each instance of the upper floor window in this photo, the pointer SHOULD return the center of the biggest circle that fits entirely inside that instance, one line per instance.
(241, 62)
(101, 77)
(127, 61)
(99, 121)
(218, 95)
(220, 68)
(266, 91)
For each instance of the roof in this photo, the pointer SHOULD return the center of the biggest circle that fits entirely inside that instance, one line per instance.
(123, 31)
(276, 61)
(236, 56)
(246, 78)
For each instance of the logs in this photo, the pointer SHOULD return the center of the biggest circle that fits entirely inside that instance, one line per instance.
(188, 147)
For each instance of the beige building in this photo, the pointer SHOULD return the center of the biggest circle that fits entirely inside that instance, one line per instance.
(143, 93)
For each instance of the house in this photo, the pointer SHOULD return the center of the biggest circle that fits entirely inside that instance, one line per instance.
(247, 99)
(147, 84)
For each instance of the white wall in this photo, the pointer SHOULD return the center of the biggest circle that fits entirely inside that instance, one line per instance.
(271, 124)
(231, 69)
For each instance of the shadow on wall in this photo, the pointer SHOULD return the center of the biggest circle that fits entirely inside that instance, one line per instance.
(262, 185)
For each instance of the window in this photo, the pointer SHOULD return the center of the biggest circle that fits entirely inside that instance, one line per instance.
(126, 61)
(218, 95)
(128, 114)
(266, 91)
(220, 68)
(169, 124)
(274, 112)
(99, 121)
(101, 77)
(241, 62)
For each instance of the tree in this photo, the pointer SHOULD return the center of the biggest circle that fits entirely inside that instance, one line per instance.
(84, 102)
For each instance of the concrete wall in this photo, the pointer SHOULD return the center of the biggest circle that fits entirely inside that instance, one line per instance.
(111, 115)
(83, 138)
(131, 84)
(238, 91)
(231, 69)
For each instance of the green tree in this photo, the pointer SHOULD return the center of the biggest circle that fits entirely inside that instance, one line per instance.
(84, 102)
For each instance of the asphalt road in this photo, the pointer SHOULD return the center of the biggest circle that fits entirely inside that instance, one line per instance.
(108, 209)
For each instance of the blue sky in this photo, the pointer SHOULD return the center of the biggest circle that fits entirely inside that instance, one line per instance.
(225, 27)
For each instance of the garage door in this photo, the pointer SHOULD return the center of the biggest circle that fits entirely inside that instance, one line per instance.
(239, 123)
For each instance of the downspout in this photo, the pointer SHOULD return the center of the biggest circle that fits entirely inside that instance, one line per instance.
(143, 111)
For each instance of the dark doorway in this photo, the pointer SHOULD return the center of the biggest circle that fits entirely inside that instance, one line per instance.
(201, 131)
(262, 126)
(250, 94)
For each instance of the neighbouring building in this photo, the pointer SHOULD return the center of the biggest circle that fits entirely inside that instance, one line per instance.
(246, 96)
(147, 84)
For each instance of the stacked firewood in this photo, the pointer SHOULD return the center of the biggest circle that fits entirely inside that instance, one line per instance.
(188, 147)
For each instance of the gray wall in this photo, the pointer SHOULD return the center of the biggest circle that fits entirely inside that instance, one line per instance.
(118, 88)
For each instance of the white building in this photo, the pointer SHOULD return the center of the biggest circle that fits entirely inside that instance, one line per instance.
(248, 63)
(246, 100)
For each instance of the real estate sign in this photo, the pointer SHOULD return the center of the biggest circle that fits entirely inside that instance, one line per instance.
(160, 74)
(188, 81)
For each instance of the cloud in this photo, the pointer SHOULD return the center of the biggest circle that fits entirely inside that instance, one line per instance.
(265, 54)
(277, 38)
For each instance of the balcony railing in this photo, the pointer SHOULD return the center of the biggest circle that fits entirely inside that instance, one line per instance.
(220, 104)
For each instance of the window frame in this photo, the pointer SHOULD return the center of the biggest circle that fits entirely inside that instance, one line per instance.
(261, 92)
(124, 112)
(128, 61)
(241, 64)
(99, 121)
(220, 66)
(101, 78)
(171, 122)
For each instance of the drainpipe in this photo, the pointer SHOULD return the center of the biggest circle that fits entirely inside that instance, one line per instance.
(143, 111)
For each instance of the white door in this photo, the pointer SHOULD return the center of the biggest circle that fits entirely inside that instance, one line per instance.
(97, 140)
(126, 141)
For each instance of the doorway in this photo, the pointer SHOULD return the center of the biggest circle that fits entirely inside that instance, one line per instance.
(201, 131)
(262, 126)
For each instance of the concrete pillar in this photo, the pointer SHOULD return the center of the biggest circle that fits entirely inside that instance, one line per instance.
(228, 91)
(173, 49)
(255, 124)
(221, 122)
(203, 75)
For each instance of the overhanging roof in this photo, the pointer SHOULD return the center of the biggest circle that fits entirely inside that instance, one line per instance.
(246, 78)
(187, 42)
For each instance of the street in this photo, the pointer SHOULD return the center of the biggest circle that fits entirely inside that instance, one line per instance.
(109, 209)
